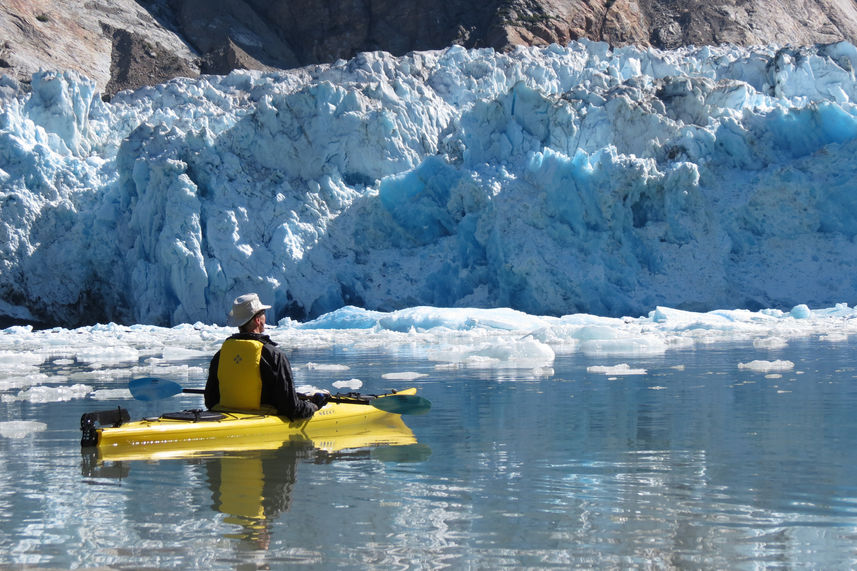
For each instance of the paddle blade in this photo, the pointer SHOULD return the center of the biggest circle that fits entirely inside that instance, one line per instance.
(402, 404)
(153, 388)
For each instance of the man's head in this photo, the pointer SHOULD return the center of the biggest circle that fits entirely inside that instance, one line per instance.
(248, 313)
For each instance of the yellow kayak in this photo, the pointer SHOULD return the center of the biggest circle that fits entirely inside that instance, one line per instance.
(336, 426)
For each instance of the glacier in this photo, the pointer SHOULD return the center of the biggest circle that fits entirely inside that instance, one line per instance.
(550, 181)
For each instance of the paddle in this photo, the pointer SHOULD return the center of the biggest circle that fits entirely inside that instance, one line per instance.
(154, 388)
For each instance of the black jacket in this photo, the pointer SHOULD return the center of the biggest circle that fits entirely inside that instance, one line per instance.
(278, 388)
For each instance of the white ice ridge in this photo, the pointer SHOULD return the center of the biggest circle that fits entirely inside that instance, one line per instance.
(550, 180)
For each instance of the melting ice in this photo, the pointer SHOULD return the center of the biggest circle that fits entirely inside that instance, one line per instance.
(525, 345)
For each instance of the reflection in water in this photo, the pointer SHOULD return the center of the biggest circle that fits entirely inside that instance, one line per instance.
(699, 466)
(253, 488)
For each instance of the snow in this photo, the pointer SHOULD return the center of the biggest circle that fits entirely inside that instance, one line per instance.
(551, 181)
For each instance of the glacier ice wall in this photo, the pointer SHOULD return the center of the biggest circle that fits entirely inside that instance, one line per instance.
(553, 181)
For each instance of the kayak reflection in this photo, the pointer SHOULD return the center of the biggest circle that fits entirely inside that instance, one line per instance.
(251, 482)
(252, 488)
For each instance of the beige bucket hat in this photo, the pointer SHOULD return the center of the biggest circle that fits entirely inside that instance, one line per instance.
(244, 308)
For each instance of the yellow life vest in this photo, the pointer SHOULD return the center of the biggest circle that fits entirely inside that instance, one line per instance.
(239, 376)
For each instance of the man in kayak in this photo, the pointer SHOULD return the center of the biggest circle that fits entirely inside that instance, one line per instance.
(250, 373)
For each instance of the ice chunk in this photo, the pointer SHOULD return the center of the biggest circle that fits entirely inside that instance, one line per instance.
(326, 367)
(403, 376)
(352, 384)
(760, 366)
(622, 369)
(20, 428)
(801, 311)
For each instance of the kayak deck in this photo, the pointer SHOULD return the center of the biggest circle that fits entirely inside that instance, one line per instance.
(191, 431)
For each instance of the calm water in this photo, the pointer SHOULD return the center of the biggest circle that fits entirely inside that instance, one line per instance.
(696, 464)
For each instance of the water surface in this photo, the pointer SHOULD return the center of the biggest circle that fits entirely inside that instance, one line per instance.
(696, 463)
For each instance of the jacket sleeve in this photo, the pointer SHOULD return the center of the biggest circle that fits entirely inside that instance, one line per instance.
(278, 386)
(212, 385)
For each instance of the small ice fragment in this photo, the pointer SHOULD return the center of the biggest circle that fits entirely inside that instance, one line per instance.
(20, 428)
(621, 369)
(767, 366)
(352, 384)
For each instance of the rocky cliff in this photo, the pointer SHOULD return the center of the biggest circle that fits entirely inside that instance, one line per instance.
(125, 44)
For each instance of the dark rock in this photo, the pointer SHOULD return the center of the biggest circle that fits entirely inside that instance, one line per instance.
(152, 41)
(136, 61)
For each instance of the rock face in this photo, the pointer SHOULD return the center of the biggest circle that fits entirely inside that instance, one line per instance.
(118, 43)
(125, 44)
